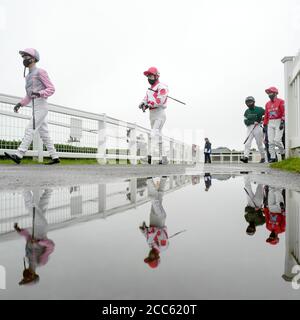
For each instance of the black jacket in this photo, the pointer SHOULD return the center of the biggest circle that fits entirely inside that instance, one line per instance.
(208, 147)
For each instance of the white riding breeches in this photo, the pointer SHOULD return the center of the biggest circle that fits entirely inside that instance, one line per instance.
(275, 137)
(258, 135)
(41, 125)
(156, 136)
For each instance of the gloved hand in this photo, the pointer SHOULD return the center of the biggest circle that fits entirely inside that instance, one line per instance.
(282, 206)
(143, 106)
(143, 226)
(265, 128)
(16, 227)
(17, 107)
(35, 95)
(281, 125)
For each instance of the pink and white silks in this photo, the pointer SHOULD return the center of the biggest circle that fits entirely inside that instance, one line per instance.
(158, 103)
(38, 80)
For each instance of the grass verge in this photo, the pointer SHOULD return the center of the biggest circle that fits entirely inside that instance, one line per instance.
(63, 161)
(290, 164)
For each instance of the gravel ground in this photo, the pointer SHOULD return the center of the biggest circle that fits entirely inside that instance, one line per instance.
(14, 177)
(260, 173)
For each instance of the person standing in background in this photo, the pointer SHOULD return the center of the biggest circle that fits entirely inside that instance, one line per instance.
(207, 151)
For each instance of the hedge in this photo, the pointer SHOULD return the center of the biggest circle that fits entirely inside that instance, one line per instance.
(5, 144)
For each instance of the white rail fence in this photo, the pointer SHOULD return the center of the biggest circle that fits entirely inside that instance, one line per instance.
(80, 134)
(292, 100)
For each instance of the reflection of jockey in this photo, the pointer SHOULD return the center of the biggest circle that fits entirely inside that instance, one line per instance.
(38, 246)
(207, 181)
(253, 210)
(254, 218)
(156, 234)
(253, 200)
(275, 215)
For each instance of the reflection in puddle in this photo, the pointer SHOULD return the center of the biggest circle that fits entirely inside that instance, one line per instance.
(207, 181)
(91, 222)
(265, 205)
(38, 247)
(156, 233)
(76, 203)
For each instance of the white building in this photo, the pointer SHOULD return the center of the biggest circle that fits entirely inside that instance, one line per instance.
(292, 102)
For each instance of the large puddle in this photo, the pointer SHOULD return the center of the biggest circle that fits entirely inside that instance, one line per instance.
(176, 237)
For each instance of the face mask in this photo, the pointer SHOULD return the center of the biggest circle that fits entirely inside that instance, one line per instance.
(272, 96)
(27, 62)
(250, 104)
(152, 81)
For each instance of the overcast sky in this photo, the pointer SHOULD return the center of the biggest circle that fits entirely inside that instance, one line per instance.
(211, 54)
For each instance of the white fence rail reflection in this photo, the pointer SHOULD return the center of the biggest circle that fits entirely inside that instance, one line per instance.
(77, 203)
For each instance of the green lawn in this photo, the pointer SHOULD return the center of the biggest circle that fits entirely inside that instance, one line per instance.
(291, 164)
(29, 161)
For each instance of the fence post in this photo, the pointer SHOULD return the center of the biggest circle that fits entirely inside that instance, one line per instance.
(176, 159)
(102, 199)
(171, 151)
(37, 145)
(101, 154)
(171, 181)
(133, 190)
(196, 154)
(133, 145)
(191, 160)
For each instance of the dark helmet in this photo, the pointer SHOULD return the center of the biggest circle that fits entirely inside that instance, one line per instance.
(249, 209)
(250, 98)
(250, 230)
(29, 277)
